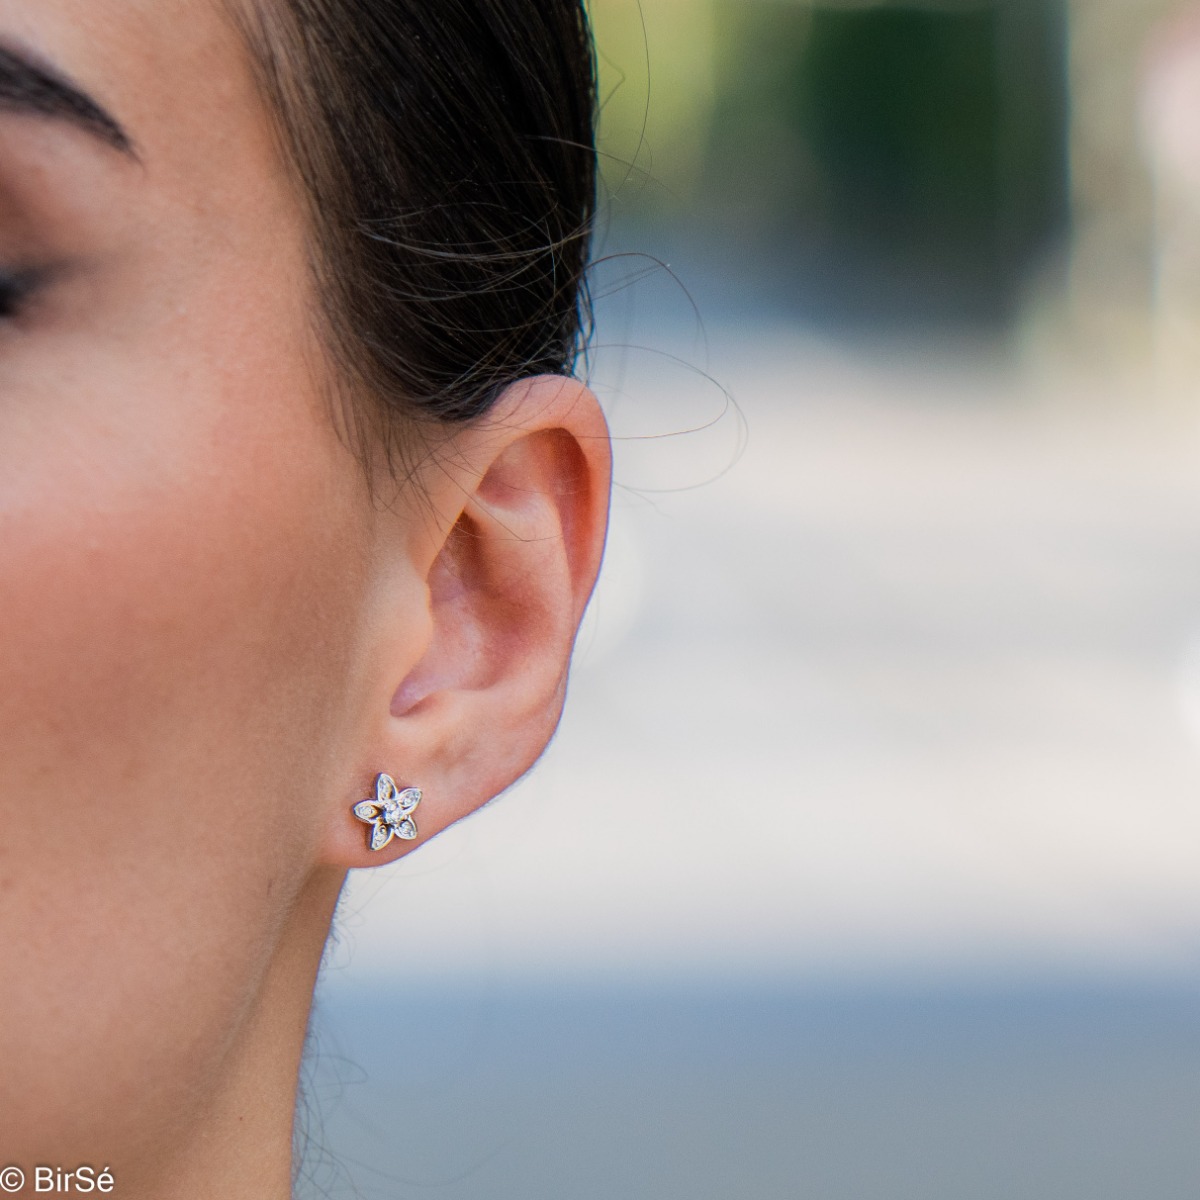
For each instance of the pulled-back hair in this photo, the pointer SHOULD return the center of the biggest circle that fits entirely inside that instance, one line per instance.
(447, 152)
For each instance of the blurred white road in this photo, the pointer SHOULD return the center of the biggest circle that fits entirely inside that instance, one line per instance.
(913, 688)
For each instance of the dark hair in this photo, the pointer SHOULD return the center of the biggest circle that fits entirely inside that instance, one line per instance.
(447, 150)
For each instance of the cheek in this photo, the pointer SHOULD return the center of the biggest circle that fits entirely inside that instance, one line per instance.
(178, 587)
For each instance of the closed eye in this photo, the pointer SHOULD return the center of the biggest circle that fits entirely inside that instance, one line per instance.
(16, 287)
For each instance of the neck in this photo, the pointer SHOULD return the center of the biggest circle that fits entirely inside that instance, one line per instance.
(241, 1148)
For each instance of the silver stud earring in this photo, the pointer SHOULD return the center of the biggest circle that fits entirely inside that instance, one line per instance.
(390, 813)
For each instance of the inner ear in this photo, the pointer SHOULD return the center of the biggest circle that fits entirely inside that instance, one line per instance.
(502, 588)
(458, 653)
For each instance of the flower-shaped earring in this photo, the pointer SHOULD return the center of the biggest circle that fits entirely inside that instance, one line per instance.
(389, 814)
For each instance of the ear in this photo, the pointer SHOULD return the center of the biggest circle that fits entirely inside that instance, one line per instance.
(507, 551)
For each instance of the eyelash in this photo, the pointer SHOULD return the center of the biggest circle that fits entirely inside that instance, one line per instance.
(15, 287)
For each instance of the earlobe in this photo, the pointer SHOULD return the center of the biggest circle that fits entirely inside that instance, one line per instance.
(521, 499)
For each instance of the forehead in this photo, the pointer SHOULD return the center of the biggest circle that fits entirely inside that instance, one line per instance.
(175, 74)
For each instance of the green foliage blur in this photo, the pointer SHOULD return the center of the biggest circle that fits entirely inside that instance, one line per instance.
(849, 162)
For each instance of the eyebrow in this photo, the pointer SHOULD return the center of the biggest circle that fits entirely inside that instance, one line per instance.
(38, 90)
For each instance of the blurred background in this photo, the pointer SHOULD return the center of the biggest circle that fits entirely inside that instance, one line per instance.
(866, 862)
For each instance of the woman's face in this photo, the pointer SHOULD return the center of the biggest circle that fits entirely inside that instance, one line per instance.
(184, 548)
